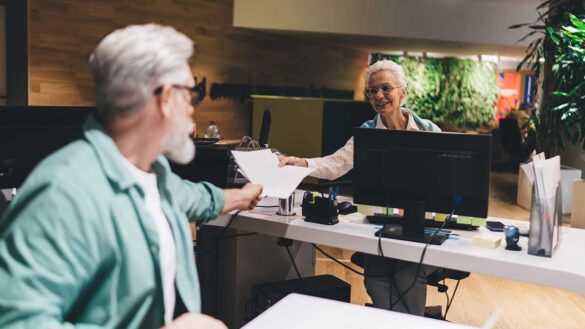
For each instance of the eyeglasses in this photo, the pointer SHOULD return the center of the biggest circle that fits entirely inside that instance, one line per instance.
(386, 89)
(195, 92)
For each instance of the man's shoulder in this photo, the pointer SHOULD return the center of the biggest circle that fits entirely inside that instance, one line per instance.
(74, 164)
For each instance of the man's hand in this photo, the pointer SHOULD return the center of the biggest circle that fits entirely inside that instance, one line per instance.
(195, 321)
(245, 198)
(292, 161)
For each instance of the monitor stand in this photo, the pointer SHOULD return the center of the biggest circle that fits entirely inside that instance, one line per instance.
(413, 226)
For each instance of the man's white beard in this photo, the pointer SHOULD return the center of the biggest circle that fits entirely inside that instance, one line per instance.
(177, 145)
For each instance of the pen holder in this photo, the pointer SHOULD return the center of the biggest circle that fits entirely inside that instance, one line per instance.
(319, 210)
(545, 228)
(286, 207)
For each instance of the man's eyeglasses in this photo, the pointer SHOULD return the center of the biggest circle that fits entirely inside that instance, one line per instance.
(196, 92)
(372, 91)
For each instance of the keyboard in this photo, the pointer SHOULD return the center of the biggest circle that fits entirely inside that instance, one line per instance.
(397, 220)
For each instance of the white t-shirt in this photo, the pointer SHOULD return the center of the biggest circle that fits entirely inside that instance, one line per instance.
(167, 251)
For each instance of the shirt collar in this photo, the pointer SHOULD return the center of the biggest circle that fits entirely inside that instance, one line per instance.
(410, 125)
(110, 158)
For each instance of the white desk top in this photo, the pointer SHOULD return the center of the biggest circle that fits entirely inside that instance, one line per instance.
(300, 311)
(566, 269)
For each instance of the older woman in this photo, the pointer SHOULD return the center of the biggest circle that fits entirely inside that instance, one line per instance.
(386, 91)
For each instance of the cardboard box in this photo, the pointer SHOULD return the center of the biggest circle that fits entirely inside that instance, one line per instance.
(578, 209)
(568, 176)
(524, 194)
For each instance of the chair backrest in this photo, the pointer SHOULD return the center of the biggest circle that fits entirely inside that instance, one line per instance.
(265, 128)
(510, 136)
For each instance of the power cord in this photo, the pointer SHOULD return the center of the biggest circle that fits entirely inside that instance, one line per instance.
(228, 224)
(287, 243)
(337, 261)
(221, 234)
(452, 298)
(457, 200)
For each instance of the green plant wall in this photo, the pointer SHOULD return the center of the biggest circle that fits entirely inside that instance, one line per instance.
(450, 91)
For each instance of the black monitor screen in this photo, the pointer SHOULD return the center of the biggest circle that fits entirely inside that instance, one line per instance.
(393, 166)
(29, 134)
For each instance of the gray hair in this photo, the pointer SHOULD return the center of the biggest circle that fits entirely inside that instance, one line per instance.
(387, 65)
(129, 63)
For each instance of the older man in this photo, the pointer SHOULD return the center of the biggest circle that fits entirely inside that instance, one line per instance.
(98, 236)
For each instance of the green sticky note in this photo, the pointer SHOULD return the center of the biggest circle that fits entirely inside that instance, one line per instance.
(477, 221)
(464, 220)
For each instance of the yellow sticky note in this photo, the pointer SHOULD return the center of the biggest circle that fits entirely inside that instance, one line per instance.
(487, 240)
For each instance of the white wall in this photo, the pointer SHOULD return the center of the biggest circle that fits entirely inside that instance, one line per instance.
(472, 21)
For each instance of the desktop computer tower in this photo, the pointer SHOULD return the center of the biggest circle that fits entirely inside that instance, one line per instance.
(324, 286)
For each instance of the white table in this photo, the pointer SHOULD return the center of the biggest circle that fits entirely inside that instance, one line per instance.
(300, 311)
(566, 269)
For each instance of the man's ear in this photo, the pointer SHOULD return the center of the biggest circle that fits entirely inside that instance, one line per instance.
(164, 101)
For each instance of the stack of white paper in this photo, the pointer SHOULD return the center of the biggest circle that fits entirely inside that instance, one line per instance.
(261, 167)
(547, 175)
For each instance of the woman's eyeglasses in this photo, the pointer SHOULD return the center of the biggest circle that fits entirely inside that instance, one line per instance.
(373, 91)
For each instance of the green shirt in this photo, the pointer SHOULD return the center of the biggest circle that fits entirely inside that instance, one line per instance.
(78, 250)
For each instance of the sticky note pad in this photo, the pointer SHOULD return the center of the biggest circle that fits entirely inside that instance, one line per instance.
(487, 240)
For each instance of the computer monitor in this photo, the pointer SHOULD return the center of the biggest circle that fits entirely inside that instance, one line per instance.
(422, 171)
(29, 134)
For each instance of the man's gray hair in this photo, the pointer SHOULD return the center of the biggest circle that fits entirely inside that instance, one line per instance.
(129, 63)
(387, 65)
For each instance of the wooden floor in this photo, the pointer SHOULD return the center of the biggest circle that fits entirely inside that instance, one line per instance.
(522, 305)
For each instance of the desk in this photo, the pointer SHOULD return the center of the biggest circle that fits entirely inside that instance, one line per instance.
(300, 311)
(566, 269)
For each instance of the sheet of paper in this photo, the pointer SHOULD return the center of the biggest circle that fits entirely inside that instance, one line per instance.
(261, 167)
(551, 176)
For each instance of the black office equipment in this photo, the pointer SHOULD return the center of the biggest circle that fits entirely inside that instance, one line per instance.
(324, 286)
(495, 226)
(265, 128)
(320, 210)
(29, 134)
(421, 171)
(346, 208)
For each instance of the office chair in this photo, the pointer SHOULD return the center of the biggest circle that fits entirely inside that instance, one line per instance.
(511, 141)
(434, 279)
(264, 128)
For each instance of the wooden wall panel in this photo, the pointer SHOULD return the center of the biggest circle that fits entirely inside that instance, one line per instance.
(64, 32)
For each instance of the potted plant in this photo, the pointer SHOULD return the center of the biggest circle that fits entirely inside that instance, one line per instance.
(561, 32)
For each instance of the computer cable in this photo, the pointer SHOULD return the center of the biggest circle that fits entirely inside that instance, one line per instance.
(448, 301)
(452, 298)
(337, 261)
(287, 243)
(221, 234)
(228, 224)
(457, 199)
(392, 273)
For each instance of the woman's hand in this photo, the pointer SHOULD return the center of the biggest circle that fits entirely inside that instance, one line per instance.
(292, 161)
